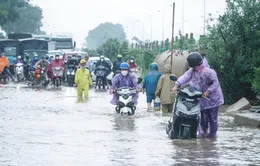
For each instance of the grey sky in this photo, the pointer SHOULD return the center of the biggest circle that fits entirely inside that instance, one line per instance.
(80, 16)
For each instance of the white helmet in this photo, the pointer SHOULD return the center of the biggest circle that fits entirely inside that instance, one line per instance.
(19, 57)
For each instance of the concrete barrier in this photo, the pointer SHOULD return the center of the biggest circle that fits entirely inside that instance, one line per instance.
(242, 104)
(246, 118)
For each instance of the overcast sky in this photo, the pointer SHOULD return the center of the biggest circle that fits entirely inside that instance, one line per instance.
(80, 16)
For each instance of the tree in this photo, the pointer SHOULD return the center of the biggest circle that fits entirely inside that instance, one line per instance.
(29, 20)
(103, 32)
(9, 10)
(233, 48)
(112, 47)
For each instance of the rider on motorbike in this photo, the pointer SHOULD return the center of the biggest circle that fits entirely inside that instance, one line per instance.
(33, 62)
(132, 63)
(4, 64)
(103, 63)
(50, 58)
(19, 60)
(55, 63)
(79, 59)
(123, 79)
(26, 66)
(43, 63)
(72, 61)
(116, 65)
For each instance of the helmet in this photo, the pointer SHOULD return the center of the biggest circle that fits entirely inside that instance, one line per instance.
(119, 56)
(124, 65)
(19, 57)
(194, 59)
(73, 55)
(154, 66)
(102, 57)
(82, 61)
(35, 55)
(132, 57)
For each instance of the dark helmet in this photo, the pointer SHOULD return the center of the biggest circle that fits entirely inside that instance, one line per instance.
(132, 57)
(194, 59)
(44, 57)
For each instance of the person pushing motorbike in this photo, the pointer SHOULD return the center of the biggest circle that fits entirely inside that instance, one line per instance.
(83, 81)
(205, 80)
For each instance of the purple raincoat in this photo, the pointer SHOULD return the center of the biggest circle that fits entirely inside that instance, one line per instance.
(205, 62)
(123, 81)
(204, 79)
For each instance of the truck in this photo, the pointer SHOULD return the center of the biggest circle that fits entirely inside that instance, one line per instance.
(63, 41)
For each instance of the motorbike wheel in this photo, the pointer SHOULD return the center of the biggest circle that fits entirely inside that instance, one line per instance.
(57, 82)
(171, 134)
(168, 127)
(18, 78)
(186, 133)
(70, 81)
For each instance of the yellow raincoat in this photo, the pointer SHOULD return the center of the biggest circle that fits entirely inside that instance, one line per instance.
(83, 80)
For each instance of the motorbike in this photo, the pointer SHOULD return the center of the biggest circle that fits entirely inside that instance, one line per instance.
(40, 76)
(186, 114)
(125, 105)
(71, 74)
(134, 71)
(19, 71)
(100, 75)
(57, 75)
(3, 76)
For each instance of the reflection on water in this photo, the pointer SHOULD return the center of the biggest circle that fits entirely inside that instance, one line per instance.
(48, 127)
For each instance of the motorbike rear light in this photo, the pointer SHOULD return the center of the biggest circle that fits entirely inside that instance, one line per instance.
(37, 71)
(37, 76)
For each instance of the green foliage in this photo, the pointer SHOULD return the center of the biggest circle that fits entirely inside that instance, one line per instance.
(29, 20)
(256, 81)
(233, 48)
(9, 10)
(91, 52)
(103, 32)
(112, 47)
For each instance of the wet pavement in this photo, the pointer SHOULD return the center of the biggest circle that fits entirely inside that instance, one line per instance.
(49, 128)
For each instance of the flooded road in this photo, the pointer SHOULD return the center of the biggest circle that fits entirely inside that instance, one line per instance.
(49, 128)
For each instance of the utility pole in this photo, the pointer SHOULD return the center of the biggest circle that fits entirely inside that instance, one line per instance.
(173, 15)
(204, 17)
(182, 17)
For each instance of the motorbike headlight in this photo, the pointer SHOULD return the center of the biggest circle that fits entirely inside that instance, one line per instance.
(68, 72)
(125, 96)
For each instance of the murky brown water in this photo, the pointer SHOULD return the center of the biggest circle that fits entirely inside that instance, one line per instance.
(48, 127)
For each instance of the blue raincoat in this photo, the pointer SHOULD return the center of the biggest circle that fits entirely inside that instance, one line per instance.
(150, 84)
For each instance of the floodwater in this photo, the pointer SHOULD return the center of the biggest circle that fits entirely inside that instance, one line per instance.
(49, 128)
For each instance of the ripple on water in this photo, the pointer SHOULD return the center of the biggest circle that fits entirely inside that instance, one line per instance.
(48, 127)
